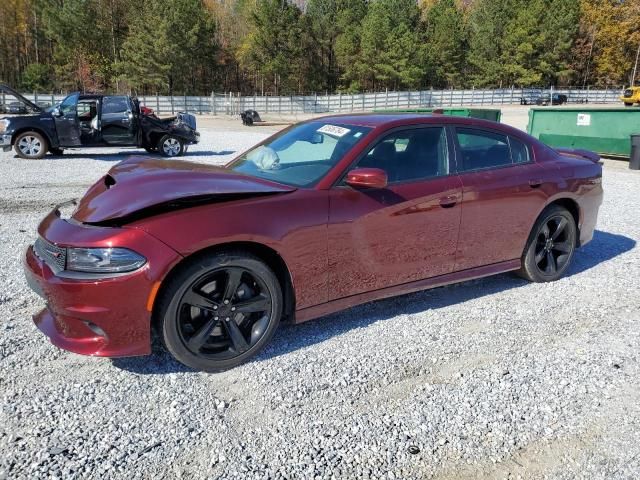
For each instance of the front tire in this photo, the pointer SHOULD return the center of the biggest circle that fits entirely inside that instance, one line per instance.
(170, 146)
(219, 311)
(550, 247)
(31, 145)
(628, 104)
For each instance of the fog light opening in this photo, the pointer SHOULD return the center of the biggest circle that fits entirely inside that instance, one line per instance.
(95, 329)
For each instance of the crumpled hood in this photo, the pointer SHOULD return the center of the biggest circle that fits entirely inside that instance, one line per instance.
(153, 185)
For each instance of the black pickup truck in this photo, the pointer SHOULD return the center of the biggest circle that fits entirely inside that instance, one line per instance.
(82, 121)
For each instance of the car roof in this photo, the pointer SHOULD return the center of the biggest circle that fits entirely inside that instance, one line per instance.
(386, 121)
(85, 96)
(375, 119)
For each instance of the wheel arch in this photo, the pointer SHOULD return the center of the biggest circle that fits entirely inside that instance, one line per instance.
(37, 130)
(152, 138)
(573, 207)
(263, 252)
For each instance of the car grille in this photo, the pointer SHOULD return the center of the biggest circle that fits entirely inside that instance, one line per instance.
(52, 255)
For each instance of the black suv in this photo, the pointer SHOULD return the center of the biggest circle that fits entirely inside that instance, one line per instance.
(548, 99)
(81, 121)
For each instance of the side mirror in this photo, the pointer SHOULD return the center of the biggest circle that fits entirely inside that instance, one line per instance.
(56, 112)
(367, 178)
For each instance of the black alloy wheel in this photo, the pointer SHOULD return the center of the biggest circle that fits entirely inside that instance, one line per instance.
(221, 315)
(551, 247)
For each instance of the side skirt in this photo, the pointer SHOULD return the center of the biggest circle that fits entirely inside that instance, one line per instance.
(439, 281)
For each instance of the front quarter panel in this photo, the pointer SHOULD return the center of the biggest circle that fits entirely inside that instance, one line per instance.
(293, 224)
(42, 122)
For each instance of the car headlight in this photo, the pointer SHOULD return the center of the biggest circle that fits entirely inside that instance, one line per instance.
(4, 125)
(103, 260)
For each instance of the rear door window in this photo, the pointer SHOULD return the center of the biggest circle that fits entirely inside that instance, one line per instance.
(482, 149)
(519, 151)
(115, 105)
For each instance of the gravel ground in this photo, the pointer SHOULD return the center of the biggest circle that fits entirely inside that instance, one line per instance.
(495, 378)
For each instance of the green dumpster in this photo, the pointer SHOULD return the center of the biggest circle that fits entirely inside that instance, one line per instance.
(484, 113)
(603, 130)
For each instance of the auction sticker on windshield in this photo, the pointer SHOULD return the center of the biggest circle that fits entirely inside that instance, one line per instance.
(334, 130)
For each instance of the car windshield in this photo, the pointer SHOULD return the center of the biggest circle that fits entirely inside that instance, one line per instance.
(300, 155)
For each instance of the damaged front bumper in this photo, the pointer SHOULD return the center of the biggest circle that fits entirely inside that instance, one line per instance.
(5, 142)
(108, 316)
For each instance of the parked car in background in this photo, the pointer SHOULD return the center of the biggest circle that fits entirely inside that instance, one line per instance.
(322, 216)
(551, 99)
(94, 121)
(630, 96)
(529, 99)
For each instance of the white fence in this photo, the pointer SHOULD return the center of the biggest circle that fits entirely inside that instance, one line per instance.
(233, 104)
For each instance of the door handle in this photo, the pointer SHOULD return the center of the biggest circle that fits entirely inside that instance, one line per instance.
(448, 201)
(535, 183)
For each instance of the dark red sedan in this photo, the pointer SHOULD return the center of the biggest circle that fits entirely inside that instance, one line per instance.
(322, 216)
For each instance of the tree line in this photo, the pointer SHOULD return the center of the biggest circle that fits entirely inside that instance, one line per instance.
(286, 47)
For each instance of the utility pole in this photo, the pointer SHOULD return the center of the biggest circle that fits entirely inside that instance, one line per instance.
(586, 73)
(635, 68)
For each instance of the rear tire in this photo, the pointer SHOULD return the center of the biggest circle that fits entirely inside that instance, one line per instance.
(628, 104)
(219, 310)
(31, 146)
(550, 247)
(170, 146)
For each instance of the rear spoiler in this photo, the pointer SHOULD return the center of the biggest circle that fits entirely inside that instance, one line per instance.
(580, 153)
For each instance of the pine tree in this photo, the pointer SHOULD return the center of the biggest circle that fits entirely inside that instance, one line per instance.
(36, 78)
(322, 19)
(79, 53)
(390, 45)
(279, 46)
(487, 24)
(560, 31)
(521, 45)
(446, 44)
(169, 45)
(146, 60)
(348, 43)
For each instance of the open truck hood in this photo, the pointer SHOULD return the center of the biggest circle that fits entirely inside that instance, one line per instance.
(25, 101)
(141, 187)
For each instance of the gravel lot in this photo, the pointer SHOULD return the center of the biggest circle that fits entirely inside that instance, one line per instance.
(495, 378)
